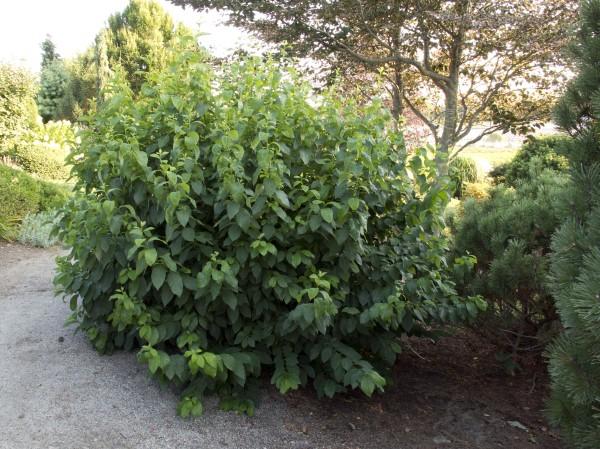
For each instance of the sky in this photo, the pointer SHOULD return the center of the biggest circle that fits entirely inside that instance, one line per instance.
(73, 24)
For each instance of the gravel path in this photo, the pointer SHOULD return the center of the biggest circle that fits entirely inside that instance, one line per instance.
(57, 392)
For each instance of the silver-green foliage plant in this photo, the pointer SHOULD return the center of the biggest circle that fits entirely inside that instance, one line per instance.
(37, 229)
(234, 225)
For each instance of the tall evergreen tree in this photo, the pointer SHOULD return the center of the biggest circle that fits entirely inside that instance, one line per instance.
(53, 81)
(137, 39)
(575, 260)
(49, 54)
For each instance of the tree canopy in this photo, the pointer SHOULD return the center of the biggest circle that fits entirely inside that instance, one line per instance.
(137, 39)
(453, 63)
(17, 104)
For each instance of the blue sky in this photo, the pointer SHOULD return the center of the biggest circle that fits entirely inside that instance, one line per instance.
(73, 24)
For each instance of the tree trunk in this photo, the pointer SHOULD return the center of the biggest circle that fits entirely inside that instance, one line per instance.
(397, 95)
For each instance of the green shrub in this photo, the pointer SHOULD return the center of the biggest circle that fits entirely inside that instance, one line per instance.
(535, 156)
(462, 170)
(21, 195)
(574, 357)
(53, 195)
(42, 150)
(509, 233)
(236, 224)
(476, 190)
(17, 105)
(37, 229)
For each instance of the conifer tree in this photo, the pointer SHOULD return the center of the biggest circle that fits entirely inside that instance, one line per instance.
(575, 260)
(53, 81)
(137, 39)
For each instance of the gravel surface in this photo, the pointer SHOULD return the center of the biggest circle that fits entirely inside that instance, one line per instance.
(57, 392)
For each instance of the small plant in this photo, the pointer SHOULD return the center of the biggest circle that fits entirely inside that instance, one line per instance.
(37, 229)
(462, 170)
(233, 225)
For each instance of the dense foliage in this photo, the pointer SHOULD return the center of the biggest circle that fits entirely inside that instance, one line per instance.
(462, 170)
(17, 104)
(451, 63)
(138, 39)
(53, 82)
(54, 79)
(509, 232)
(21, 194)
(42, 150)
(535, 156)
(575, 260)
(234, 224)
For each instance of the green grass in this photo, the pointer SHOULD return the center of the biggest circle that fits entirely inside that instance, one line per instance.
(494, 156)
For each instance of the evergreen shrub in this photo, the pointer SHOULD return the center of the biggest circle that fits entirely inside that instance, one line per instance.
(237, 224)
(535, 156)
(574, 358)
(509, 233)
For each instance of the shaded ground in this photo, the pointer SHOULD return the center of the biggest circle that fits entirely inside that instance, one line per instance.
(56, 392)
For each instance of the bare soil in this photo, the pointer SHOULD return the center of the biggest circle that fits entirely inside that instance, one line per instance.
(57, 392)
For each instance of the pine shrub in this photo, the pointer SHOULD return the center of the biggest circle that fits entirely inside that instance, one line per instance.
(575, 261)
(236, 224)
(536, 155)
(509, 233)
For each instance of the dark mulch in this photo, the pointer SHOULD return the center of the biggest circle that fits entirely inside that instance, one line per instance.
(448, 394)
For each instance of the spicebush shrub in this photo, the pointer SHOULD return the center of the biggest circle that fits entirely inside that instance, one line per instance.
(509, 233)
(535, 156)
(236, 223)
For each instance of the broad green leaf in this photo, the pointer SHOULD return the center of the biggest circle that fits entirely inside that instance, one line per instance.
(175, 283)
(159, 274)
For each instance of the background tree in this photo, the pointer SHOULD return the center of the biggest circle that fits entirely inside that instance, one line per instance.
(137, 40)
(575, 261)
(53, 81)
(49, 54)
(17, 104)
(454, 63)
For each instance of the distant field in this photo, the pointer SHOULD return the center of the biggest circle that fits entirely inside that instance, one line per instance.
(493, 156)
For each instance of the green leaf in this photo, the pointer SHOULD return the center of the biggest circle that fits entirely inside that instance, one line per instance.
(367, 385)
(232, 209)
(175, 283)
(353, 203)
(192, 139)
(150, 255)
(159, 274)
(327, 215)
(183, 215)
(312, 292)
(283, 198)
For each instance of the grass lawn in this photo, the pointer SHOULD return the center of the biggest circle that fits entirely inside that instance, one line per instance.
(494, 156)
